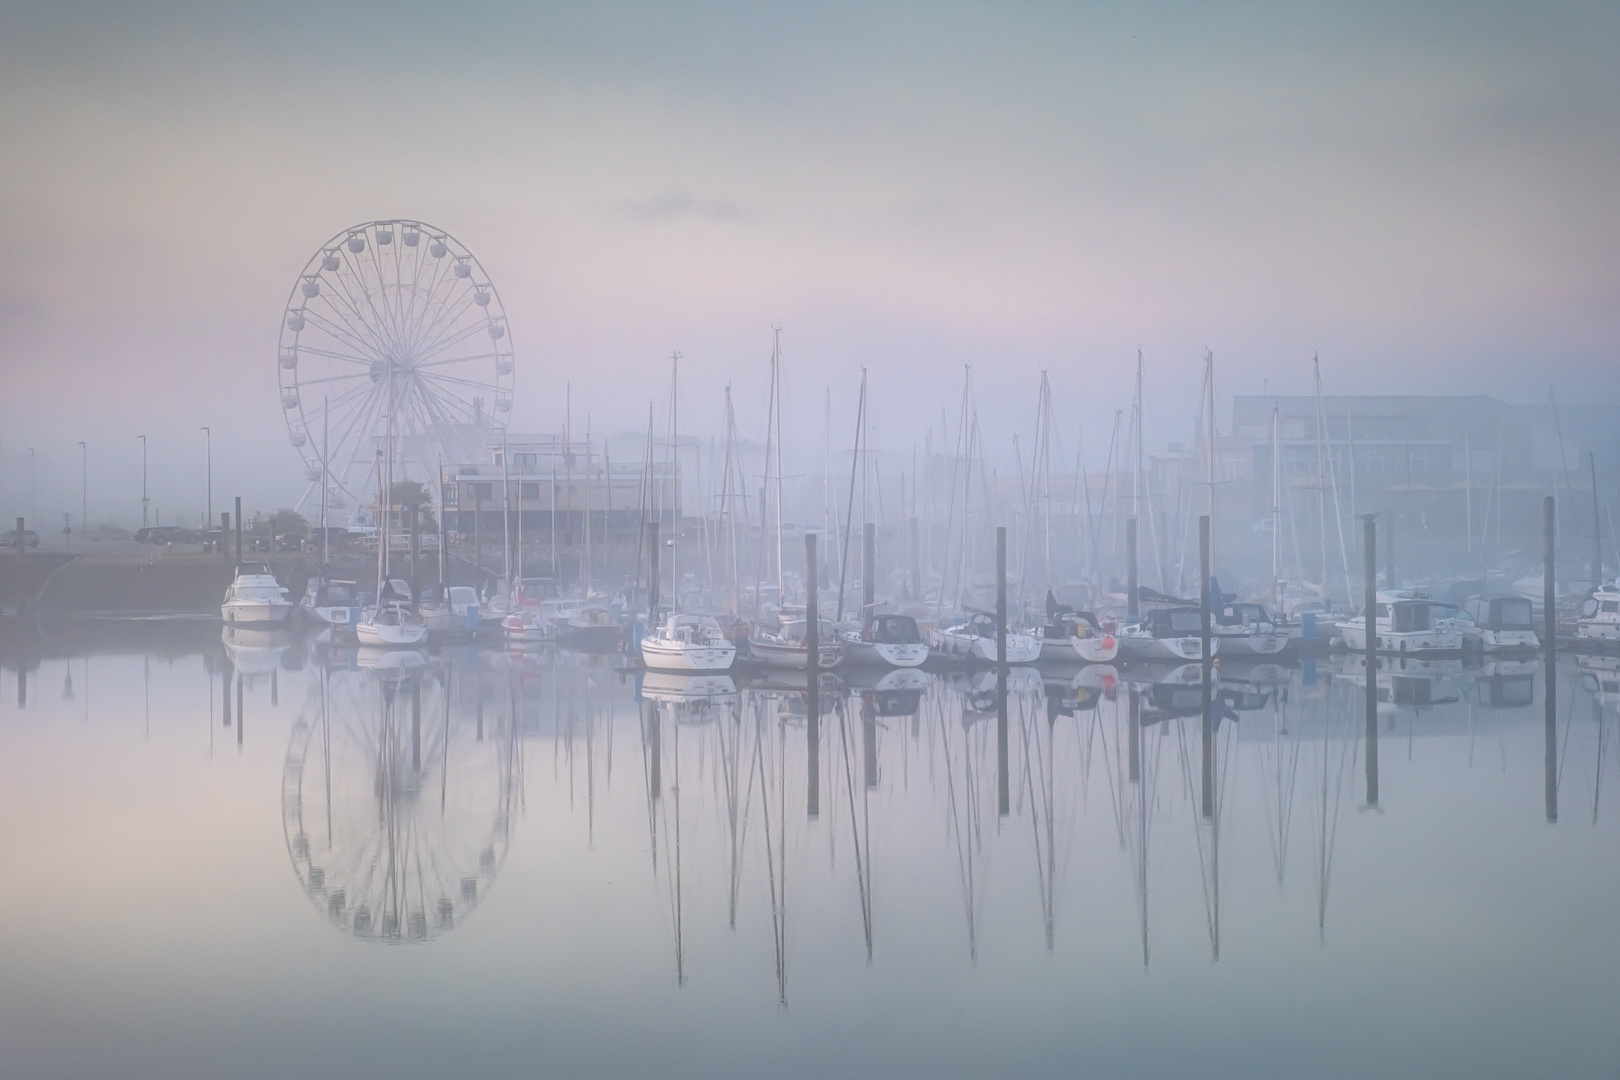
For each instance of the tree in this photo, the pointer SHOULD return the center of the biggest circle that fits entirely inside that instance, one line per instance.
(412, 493)
(287, 520)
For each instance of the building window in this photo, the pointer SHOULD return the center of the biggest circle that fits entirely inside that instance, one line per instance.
(447, 494)
(480, 491)
(526, 461)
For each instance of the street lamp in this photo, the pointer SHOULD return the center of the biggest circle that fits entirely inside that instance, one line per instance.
(84, 486)
(208, 522)
(143, 479)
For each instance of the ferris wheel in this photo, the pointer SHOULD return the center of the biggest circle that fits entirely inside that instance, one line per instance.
(397, 806)
(392, 328)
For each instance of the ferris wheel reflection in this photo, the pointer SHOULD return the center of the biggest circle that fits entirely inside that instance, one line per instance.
(398, 795)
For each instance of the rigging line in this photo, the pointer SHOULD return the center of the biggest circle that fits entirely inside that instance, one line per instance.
(854, 830)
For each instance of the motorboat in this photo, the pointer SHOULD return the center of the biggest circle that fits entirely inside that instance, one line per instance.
(1071, 636)
(1404, 622)
(1246, 629)
(528, 624)
(1600, 615)
(889, 640)
(687, 643)
(1500, 624)
(1173, 634)
(330, 602)
(592, 627)
(390, 624)
(453, 610)
(973, 639)
(790, 648)
(255, 598)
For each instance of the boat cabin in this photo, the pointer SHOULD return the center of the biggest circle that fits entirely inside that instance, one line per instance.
(892, 630)
(1173, 622)
(1067, 624)
(1500, 613)
(1242, 615)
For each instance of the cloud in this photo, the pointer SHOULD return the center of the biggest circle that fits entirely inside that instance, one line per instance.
(679, 203)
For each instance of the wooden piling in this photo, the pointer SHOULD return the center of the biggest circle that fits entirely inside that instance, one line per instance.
(238, 524)
(1207, 784)
(1003, 792)
(1549, 651)
(1132, 605)
(1369, 602)
(812, 678)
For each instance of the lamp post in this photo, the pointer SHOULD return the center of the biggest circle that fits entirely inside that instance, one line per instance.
(143, 480)
(208, 434)
(84, 486)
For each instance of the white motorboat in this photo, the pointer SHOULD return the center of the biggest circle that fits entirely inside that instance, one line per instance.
(330, 602)
(1076, 636)
(973, 640)
(1247, 630)
(1500, 624)
(688, 643)
(1600, 615)
(255, 598)
(1173, 634)
(528, 624)
(889, 640)
(1404, 622)
(790, 648)
(455, 610)
(390, 624)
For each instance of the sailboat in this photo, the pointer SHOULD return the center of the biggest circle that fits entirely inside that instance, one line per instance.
(391, 621)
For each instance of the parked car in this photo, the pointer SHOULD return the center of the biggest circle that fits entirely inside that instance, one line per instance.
(212, 540)
(9, 538)
(290, 541)
(143, 536)
(173, 534)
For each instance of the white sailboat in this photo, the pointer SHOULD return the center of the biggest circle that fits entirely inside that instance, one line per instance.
(688, 643)
(391, 622)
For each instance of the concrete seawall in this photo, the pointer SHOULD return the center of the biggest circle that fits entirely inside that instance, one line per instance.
(125, 583)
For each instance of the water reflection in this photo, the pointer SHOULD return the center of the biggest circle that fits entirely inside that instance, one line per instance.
(399, 791)
(770, 835)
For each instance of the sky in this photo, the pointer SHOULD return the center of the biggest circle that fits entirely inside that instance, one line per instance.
(1420, 194)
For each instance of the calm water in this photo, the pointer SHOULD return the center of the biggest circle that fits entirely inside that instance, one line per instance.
(485, 864)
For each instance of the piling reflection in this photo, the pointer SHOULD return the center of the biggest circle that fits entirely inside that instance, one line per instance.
(803, 821)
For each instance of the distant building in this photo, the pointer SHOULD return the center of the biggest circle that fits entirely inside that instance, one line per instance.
(1450, 476)
(550, 480)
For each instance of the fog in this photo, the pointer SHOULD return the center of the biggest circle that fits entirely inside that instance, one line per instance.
(1420, 198)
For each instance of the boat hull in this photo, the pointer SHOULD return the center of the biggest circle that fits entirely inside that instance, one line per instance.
(678, 657)
(1021, 648)
(1354, 632)
(1177, 650)
(881, 654)
(1256, 644)
(253, 613)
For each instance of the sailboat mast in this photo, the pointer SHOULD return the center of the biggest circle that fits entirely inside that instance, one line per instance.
(675, 468)
(1209, 440)
(776, 410)
(1276, 506)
